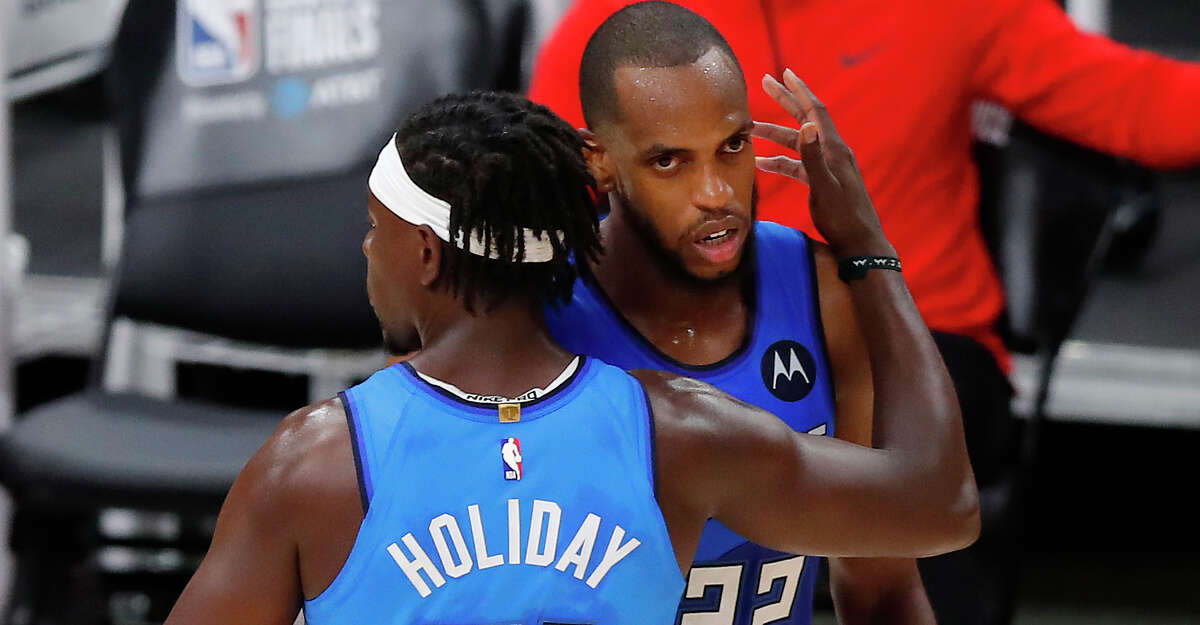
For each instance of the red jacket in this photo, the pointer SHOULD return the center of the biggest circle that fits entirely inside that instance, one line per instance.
(899, 79)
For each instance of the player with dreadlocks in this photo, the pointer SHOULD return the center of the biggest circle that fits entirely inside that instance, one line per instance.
(387, 504)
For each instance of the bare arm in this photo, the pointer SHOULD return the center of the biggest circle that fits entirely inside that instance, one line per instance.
(720, 458)
(879, 590)
(913, 495)
(865, 590)
(1086, 88)
(300, 484)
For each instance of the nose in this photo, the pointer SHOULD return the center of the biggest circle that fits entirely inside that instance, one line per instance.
(713, 191)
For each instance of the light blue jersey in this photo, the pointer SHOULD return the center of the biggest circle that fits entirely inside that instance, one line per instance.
(782, 367)
(476, 518)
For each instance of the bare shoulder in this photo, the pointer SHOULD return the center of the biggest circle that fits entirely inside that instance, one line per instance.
(261, 562)
(687, 407)
(697, 424)
(674, 390)
(849, 359)
(302, 487)
(837, 308)
(823, 256)
(306, 458)
(303, 436)
(701, 434)
(709, 447)
(834, 294)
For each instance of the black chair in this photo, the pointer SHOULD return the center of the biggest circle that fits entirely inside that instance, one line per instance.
(1047, 210)
(246, 144)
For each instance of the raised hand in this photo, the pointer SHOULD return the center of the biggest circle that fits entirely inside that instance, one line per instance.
(838, 199)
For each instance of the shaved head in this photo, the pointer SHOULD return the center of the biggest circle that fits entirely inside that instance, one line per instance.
(646, 34)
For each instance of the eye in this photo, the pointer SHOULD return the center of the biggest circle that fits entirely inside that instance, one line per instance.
(665, 162)
(735, 145)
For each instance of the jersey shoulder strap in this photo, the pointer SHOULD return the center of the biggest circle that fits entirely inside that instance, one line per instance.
(374, 411)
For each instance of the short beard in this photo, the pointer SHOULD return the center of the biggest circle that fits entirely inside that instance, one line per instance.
(673, 264)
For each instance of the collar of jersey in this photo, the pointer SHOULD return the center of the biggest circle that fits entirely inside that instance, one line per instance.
(666, 362)
(487, 412)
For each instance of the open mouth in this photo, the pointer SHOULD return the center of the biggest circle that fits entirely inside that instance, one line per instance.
(719, 246)
(717, 237)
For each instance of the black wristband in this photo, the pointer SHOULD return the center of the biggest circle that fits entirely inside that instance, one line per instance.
(855, 267)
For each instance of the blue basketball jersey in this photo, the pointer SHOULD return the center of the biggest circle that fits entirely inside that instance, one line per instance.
(474, 518)
(782, 367)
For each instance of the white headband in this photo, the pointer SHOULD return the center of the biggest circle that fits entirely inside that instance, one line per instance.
(391, 185)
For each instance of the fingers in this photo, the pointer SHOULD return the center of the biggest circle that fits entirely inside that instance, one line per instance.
(790, 167)
(804, 96)
(786, 99)
(798, 100)
(787, 137)
(809, 101)
(816, 132)
(819, 175)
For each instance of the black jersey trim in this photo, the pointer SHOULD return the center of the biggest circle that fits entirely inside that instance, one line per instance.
(816, 306)
(653, 451)
(358, 463)
(554, 392)
(750, 297)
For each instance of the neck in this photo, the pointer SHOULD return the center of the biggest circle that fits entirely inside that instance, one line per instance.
(636, 281)
(503, 352)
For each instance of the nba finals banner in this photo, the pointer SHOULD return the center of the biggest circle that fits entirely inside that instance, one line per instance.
(322, 79)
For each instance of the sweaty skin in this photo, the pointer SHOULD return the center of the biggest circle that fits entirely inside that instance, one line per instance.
(292, 516)
(678, 157)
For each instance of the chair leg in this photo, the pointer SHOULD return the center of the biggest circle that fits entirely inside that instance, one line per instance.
(53, 580)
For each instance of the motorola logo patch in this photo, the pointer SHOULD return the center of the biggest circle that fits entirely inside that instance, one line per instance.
(788, 370)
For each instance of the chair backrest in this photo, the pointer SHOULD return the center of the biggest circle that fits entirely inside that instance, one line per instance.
(247, 129)
(1046, 208)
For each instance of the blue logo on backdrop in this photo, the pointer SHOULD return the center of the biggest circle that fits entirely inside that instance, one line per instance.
(291, 97)
(218, 41)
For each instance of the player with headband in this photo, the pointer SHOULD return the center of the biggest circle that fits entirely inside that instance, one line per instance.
(496, 477)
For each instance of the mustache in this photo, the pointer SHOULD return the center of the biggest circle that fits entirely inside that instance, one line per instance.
(723, 213)
(716, 216)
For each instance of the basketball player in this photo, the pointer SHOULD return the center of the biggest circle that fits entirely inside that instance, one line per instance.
(691, 283)
(498, 478)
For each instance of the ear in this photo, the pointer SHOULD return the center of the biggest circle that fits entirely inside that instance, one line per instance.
(431, 256)
(599, 161)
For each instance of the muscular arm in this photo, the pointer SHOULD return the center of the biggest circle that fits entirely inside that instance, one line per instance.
(298, 489)
(865, 590)
(913, 496)
(1080, 86)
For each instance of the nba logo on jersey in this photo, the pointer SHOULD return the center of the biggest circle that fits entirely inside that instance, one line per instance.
(218, 41)
(510, 454)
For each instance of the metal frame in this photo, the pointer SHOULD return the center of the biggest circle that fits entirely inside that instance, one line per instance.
(6, 277)
(6, 305)
(1094, 16)
(141, 358)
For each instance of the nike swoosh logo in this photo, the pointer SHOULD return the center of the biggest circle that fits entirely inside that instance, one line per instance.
(854, 58)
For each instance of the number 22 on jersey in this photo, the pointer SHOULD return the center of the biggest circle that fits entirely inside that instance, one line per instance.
(728, 578)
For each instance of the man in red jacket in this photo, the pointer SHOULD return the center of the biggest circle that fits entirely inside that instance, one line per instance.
(902, 77)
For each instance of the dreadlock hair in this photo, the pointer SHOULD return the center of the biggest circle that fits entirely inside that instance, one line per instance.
(503, 164)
